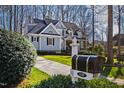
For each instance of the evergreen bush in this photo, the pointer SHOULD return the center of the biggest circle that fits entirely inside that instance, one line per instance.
(17, 56)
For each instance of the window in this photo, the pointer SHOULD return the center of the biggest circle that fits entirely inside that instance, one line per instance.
(63, 32)
(50, 41)
(34, 39)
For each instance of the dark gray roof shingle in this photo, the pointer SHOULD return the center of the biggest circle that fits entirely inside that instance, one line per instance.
(71, 26)
(41, 24)
(38, 28)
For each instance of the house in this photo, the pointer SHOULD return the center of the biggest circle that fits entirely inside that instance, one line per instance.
(115, 42)
(53, 35)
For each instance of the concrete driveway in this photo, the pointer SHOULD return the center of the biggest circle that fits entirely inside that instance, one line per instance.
(51, 67)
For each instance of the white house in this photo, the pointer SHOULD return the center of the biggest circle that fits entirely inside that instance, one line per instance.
(53, 35)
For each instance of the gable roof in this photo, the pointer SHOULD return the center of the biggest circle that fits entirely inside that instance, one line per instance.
(46, 21)
(42, 24)
(57, 33)
(38, 28)
(71, 26)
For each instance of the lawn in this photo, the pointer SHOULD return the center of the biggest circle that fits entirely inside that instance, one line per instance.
(113, 72)
(34, 78)
(59, 58)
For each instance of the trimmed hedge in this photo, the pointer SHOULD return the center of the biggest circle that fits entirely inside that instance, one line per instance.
(60, 81)
(17, 56)
(53, 53)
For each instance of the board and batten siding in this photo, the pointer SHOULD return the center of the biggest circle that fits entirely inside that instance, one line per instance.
(55, 47)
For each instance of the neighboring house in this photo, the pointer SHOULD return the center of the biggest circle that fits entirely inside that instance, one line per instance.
(53, 35)
(115, 42)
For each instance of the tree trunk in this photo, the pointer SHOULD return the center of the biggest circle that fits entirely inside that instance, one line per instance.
(119, 29)
(15, 22)
(62, 12)
(3, 20)
(21, 19)
(17, 18)
(10, 20)
(93, 26)
(110, 34)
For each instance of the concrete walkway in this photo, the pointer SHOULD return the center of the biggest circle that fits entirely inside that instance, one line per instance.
(51, 67)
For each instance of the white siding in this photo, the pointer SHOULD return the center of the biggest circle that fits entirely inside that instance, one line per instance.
(55, 47)
(36, 44)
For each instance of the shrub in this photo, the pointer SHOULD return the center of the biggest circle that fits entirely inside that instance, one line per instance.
(97, 49)
(17, 56)
(53, 53)
(60, 81)
(87, 53)
(102, 83)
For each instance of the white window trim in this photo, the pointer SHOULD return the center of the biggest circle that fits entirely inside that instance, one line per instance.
(51, 41)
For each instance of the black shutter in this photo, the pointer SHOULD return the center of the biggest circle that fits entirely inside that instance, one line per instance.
(37, 39)
(47, 40)
(32, 38)
(53, 41)
(62, 32)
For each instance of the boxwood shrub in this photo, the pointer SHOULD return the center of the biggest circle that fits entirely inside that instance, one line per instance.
(60, 81)
(17, 56)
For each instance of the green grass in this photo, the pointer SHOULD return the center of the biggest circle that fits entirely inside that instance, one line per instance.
(59, 58)
(34, 78)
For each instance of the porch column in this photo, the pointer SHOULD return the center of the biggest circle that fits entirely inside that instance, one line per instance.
(40, 42)
(60, 43)
(64, 44)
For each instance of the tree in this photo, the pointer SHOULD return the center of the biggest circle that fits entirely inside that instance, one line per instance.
(10, 19)
(110, 34)
(93, 26)
(119, 29)
(4, 9)
(21, 19)
(15, 18)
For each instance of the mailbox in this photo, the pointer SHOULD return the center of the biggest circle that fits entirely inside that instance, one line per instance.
(88, 63)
